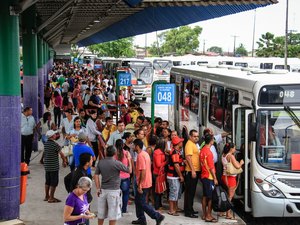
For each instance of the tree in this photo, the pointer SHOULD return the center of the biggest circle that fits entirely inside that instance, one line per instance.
(119, 48)
(216, 49)
(181, 40)
(241, 51)
(154, 49)
(271, 46)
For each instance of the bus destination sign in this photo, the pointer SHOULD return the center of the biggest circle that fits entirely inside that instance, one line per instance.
(281, 94)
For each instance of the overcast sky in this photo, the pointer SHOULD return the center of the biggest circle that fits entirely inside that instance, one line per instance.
(220, 31)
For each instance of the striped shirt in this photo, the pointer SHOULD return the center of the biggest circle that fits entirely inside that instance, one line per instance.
(51, 161)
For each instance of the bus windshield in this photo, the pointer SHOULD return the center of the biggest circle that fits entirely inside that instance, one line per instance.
(279, 139)
(163, 65)
(142, 71)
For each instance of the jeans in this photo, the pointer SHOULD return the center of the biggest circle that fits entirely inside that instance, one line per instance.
(26, 148)
(142, 207)
(125, 185)
(57, 116)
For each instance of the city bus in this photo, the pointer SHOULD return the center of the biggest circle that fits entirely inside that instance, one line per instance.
(260, 110)
(141, 74)
(161, 68)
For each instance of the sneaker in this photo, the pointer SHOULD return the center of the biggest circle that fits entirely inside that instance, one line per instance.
(160, 219)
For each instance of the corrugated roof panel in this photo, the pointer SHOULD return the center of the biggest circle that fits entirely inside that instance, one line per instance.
(160, 18)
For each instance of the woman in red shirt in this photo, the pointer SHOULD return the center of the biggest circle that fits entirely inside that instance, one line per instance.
(159, 163)
(57, 102)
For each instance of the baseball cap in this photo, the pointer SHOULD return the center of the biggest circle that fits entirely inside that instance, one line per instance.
(50, 133)
(176, 140)
(82, 137)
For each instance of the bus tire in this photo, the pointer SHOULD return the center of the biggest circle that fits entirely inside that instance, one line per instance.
(144, 99)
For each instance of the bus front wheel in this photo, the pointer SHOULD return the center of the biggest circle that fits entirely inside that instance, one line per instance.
(144, 99)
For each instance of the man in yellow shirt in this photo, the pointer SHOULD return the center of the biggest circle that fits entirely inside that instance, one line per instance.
(192, 169)
(109, 128)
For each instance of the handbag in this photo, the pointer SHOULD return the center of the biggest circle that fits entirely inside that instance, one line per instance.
(160, 182)
(231, 170)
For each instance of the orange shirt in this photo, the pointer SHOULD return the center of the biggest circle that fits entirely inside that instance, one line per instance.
(143, 162)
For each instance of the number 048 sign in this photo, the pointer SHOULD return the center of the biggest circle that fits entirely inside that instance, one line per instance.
(164, 94)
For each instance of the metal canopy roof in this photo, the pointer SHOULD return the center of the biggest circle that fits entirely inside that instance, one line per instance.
(88, 22)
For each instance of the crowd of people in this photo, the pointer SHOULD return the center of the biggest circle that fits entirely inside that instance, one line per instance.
(127, 155)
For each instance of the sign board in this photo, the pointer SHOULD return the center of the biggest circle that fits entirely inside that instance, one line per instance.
(124, 79)
(164, 94)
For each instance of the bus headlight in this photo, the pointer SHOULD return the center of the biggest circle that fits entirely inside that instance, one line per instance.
(268, 189)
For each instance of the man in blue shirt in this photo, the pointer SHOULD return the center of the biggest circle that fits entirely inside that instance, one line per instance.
(82, 147)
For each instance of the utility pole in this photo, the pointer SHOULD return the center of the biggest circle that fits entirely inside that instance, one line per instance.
(286, 34)
(145, 45)
(234, 39)
(253, 36)
(204, 46)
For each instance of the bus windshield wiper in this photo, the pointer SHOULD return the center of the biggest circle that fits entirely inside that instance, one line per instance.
(292, 115)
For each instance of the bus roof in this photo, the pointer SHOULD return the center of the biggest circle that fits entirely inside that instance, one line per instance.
(236, 78)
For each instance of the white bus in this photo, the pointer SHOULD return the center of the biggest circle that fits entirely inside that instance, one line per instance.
(141, 74)
(161, 68)
(261, 111)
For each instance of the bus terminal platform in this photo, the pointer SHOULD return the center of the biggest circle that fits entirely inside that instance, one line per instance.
(35, 211)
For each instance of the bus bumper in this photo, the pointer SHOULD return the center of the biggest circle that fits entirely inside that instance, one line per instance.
(274, 207)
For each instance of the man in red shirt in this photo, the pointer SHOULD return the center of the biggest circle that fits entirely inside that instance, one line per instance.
(208, 178)
(144, 183)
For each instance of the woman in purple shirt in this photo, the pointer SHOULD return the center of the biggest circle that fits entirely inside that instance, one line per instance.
(76, 209)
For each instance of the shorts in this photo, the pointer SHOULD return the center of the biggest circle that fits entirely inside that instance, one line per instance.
(208, 187)
(109, 204)
(51, 178)
(175, 189)
(231, 181)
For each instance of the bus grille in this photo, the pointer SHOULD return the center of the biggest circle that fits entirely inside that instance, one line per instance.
(294, 183)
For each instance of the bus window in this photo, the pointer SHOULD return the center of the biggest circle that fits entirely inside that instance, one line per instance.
(241, 64)
(185, 92)
(195, 96)
(281, 67)
(231, 98)
(266, 66)
(204, 105)
(172, 79)
(216, 105)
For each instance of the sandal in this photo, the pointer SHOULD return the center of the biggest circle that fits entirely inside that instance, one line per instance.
(212, 220)
(45, 199)
(55, 200)
(230, 217)
(173, 213)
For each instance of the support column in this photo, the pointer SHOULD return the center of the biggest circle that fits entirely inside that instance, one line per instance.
(30, 77)
(45, 62)
(40, 76)
(10, 114)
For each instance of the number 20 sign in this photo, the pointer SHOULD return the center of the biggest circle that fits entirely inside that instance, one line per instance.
(124, 79)
(164, 94)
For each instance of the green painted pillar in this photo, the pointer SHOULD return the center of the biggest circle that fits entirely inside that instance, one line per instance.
(30, 63)
(41, 75)
(10, 113)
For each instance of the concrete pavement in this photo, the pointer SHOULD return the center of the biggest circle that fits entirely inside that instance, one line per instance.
(35, 211)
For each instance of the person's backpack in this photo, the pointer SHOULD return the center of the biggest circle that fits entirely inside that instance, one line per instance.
(220, 201)
(68, 180)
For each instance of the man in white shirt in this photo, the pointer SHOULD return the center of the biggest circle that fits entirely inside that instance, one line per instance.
(28, 125)
(65, 88)
(118, 134)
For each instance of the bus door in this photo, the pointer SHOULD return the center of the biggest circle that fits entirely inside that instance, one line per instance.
(242, 118)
